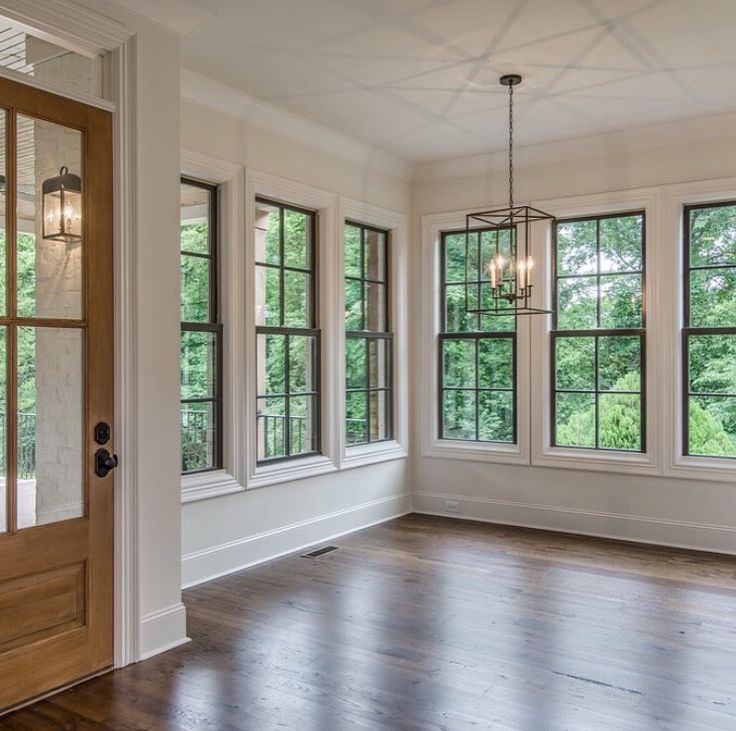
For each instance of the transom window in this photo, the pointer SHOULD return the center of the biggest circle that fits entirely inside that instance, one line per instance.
(288, 340)
(598, 336)
(477, 395)
(368, 344)
(201, 330)
(709, 335)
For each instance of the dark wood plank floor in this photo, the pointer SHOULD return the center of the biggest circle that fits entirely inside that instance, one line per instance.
(426, 623)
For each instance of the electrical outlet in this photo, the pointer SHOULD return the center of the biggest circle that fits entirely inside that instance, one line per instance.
(451, 506)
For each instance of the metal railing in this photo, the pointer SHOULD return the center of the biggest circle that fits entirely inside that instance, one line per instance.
(26, 445)
(196, 440)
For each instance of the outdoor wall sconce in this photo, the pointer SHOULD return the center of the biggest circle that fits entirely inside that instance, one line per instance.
(62, 207)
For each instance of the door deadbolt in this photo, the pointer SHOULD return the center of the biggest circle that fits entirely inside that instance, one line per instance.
(104, 462)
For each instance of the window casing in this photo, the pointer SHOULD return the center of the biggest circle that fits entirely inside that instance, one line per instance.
(368, 336)
(477, 353)
(201, 329)
(709, 332)
(598, 338)
(288, 339)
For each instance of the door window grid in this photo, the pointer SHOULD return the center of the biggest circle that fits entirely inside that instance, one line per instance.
(597, 372)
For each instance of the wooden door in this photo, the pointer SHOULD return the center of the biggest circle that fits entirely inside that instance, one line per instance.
(56, 385)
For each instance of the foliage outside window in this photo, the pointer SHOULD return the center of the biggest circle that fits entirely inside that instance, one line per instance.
(598, 340)
(709, 335)
(288, 341)
(368, 344)
(201, 332)
(477, 352)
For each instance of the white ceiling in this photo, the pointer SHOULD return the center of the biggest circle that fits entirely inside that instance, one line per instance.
(418, 78)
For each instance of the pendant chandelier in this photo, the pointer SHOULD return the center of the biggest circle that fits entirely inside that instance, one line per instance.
(499, 268)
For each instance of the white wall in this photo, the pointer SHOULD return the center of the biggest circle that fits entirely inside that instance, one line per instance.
(225, 533)
(658, 509)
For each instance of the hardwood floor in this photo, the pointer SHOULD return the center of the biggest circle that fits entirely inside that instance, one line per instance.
(427, 623)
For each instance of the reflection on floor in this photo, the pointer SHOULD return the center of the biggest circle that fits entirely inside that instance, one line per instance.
(427, 624)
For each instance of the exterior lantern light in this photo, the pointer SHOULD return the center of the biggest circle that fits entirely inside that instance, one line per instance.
(62, 207)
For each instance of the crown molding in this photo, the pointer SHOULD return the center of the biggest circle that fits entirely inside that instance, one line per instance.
(77, 28)
(215, 95)
(669, 134)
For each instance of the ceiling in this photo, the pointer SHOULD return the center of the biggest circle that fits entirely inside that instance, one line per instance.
(419, 78)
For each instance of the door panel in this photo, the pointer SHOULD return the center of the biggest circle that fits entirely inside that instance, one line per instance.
(56, 383)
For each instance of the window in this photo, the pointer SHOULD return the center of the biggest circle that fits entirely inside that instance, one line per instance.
(288, 341)
(368, 344)
(477, 352)
(201, 331)
(598, 336)
(709, 335)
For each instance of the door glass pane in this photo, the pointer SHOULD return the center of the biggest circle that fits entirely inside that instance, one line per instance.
(3, 436)
(49, 441)
(4, 173)
(49, 258)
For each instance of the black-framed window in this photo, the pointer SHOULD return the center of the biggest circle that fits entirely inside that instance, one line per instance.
(288, 337)
(368, 337)
(598, 339)
(201, 329)
(709, 334)
(477, 353)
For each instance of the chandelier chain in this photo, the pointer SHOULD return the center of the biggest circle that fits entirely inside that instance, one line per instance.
(511, 146)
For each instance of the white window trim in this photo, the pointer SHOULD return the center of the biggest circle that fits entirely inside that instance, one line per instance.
(395, 223)
(230, 179)
(259, 184)
(675, 198)
(431, 445)
(543, 453)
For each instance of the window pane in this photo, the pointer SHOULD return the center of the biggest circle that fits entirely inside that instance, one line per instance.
(459, 410)
(575, 422)
(356, 365)
(621, 301)
(575, 364)
(353, 248)
(3, 431)
(379, 416)
(356, 417)
(375, 255)
(621, 244)
(496, 361)
(713, 298)
(194, 216)
(198, 364)
(271, 427)
(271, 376)
(379, 375)
(619, 421)
(576, 247)
(576, 303)
(296, 299)
(268, 296)
(198, 429)
(713, 235)
(458, 363)
(301, 423)
(195, 289)
(498, 323)
(375, 310)
(297, 239)
(712, 363)
(457, 319)
(712, 426)
(454, 257)
(353, 304)
(302, 354)
(619, 363)
(493, 243)
(496, 416)
(267, 234)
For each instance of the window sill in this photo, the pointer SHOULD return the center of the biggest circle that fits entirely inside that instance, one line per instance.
(297, 469)
(715, 469)
(474, 451)
(206, 485)
(583, 459)
(367, 454)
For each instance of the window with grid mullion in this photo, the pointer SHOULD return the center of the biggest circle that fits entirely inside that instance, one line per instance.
(598, 341)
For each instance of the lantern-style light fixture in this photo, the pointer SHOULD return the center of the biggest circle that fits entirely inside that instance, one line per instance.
(499, 268)
(62, 207)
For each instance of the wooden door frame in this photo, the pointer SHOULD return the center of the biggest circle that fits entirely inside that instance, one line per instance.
(89, 33)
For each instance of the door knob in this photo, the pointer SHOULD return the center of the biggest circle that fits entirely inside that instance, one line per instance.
(104, 462)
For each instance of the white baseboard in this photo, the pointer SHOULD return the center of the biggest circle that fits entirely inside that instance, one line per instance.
(640, 529)
(163, 630)
(210, 563)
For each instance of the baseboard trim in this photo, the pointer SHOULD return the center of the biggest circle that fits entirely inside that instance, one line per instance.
(639, 529)
(163, 630)
(211, 563)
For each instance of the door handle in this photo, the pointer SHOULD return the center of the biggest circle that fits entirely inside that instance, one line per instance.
(104, 462)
